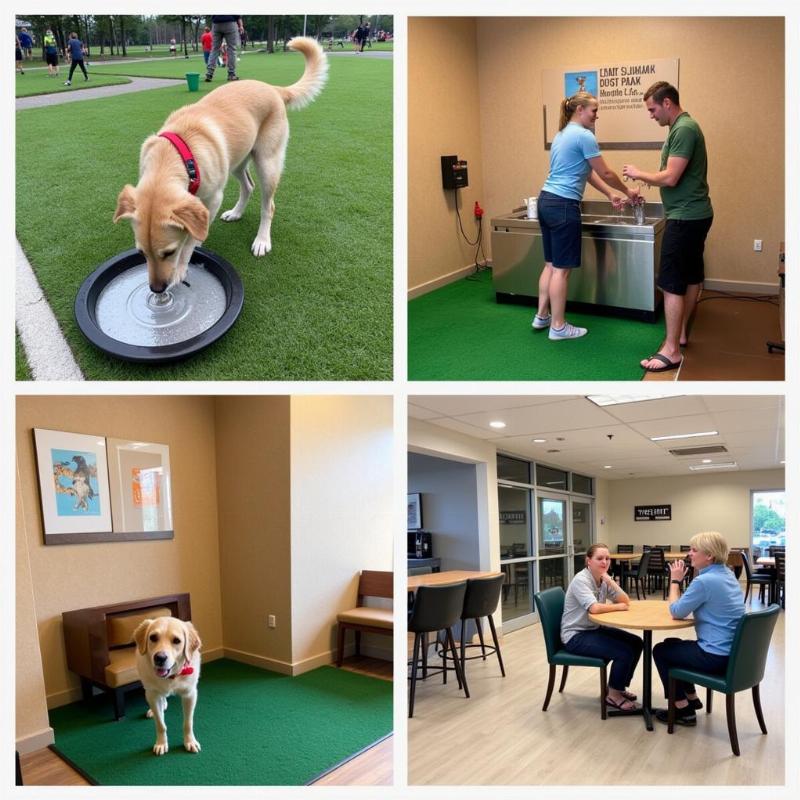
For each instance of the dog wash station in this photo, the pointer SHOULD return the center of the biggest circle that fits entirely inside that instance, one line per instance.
(118, 313)
(619, 260)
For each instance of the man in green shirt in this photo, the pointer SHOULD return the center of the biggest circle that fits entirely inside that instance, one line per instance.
(687, 207)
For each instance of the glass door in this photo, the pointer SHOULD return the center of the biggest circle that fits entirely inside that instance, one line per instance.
(581, 532)
(516, 555)
(553, 543)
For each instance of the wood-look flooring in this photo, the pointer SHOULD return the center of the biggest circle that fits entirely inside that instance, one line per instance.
(372, 768)
(501, 736)
(727, 341)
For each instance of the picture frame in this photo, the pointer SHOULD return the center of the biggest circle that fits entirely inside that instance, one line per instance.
(415, 512)
(141, 490)
(73, 486)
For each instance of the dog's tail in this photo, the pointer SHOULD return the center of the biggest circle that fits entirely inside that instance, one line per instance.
(300, 94)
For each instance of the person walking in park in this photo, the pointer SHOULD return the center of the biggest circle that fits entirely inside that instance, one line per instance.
(50, 53)
(205, 41)
(18, 56)
(26, 44)
(75, 48)
(228, 27)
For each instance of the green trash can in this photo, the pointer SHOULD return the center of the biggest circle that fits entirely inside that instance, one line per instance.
(193, 80)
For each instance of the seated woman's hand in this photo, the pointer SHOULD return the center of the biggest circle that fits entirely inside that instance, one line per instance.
(677, 570)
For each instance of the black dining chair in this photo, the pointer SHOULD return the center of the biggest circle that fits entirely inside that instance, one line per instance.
(641, 575)
(436, 608)
(764, 581)
(685, 548)
(780, 578)
(622, 569)
(480, 600)
(656, 569)
(746, 666)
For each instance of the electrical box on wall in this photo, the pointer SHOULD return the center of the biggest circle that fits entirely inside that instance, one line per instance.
(454, 173)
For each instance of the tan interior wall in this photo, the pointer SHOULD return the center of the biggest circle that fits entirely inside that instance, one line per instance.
(76, 576)
(699, 503)
(254, 523)
(443, 119)
(731, 81)
(341, 516)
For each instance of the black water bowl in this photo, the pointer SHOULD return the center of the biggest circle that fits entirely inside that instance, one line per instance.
(117, 312)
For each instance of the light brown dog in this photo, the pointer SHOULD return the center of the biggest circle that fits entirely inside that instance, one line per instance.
(235, 123)
(168, 661)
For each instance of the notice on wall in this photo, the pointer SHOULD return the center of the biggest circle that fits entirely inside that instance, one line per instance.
(652, 513)
(622, 121)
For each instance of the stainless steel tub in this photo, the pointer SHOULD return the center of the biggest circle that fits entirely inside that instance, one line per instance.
(619, 260)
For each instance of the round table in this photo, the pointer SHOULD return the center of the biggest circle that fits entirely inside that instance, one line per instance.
(647, 616)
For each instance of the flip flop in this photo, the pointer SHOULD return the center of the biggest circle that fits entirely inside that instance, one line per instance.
(631, 696)
(625, 707)
(668, 365)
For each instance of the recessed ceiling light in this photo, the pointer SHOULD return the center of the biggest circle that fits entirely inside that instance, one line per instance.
(497, 424)
(683, 436)
(706, 461)
(607, 466)
(619, 399)
(725, 465)
(539, 441)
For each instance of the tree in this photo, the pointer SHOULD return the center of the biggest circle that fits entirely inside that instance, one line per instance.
(766, 520)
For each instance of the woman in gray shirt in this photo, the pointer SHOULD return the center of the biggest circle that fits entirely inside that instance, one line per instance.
(589, 592)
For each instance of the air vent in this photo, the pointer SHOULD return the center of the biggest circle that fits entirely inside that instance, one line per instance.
(699, 451)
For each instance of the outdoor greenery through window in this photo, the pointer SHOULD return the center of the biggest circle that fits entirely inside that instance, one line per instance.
(768, 519)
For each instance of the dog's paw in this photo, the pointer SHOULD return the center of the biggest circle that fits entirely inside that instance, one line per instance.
(149, 714)
(192, 745)
(160, 748)
(230, 216)
(261, 247)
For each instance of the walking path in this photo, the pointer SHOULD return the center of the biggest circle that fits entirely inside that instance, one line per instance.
(136, 85)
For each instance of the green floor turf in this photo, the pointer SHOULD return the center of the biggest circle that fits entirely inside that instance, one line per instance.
(255, 728)
(460, 333)
(318, 307)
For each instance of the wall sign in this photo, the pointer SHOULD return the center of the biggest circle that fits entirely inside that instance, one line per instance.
(623, 122)
(652, 513)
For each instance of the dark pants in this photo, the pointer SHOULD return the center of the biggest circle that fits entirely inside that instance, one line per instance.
(623, 648)
(685, 653)
(77, 64)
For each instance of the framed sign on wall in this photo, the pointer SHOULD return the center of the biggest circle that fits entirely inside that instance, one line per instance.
(652, 513)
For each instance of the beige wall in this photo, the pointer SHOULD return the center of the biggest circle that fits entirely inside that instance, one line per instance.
(699, 503)
(252, 450)
(443, 119)
(341, 468)
(731, 81)
(76, 576)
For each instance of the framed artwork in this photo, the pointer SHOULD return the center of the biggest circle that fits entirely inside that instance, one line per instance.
(141, 491)
(415, 512)
(73, 486)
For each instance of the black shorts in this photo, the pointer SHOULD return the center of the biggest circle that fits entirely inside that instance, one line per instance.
(682, 254)
(19, 54)
(51, 59)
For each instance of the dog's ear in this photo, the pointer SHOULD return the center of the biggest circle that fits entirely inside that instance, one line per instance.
(192, 641)
(191, 215)
(126, 203)
(140, 635)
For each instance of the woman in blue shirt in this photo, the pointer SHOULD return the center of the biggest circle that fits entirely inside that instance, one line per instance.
(574, 159)
(715, 599)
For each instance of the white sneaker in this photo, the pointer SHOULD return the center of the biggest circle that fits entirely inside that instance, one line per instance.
(67, 83)
(567, 332)
(540, 323)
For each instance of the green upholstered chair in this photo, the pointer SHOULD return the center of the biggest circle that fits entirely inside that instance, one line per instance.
(550, 605)
(745, 670)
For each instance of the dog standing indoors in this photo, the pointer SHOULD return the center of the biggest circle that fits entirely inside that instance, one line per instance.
(184, 168)
(168, 661)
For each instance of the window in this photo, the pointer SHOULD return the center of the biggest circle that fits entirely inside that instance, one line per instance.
(549, 478)
(768, 519)
(512, 469)
(582, 484)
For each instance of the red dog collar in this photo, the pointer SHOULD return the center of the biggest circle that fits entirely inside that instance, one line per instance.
(187, 670)
(188, 160)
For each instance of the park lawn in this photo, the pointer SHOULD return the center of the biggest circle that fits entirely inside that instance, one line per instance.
(37, 82)
(319, 307)
(22, 371)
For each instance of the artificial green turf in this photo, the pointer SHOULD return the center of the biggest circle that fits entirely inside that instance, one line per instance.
(318, 307)
(460, 333)
(22, 370)
(32, 83)
(254, 727)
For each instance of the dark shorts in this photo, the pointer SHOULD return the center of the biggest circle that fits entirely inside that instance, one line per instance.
(19, 54)
(560, 222)
(51, 59)
(682, 254)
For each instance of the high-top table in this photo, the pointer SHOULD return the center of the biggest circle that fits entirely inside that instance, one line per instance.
(448, 576)
(647, 616)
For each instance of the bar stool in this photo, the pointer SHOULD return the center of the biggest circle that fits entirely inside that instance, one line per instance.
(436, 608)
(480, 600)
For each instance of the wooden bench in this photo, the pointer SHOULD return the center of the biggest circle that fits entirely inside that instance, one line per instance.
(364, 618)
(100, 647)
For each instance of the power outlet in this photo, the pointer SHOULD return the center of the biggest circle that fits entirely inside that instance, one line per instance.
(271, 621)
(757, 245)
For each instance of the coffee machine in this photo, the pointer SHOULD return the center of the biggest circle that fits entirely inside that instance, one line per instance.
(420, 544)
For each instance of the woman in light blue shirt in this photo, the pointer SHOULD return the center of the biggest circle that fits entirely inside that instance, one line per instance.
(574, 159)
(715, 600)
